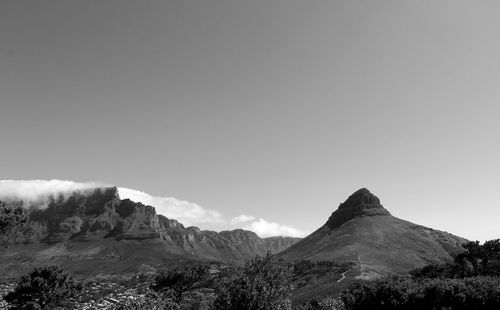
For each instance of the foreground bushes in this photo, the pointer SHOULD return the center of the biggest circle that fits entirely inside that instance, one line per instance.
(263, 283)
(406, 293)
(43, 288)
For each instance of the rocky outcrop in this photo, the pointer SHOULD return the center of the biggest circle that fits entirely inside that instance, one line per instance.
(360, 203)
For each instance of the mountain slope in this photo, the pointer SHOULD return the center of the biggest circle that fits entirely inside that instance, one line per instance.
(362, 231)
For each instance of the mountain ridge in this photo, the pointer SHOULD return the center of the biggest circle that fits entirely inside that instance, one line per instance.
(80, 224)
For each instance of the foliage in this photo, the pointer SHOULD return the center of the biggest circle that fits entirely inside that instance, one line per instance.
(43, 288)
(448, 270)
(304, 267)
(151, 301)
(181, 279)
(476, 260)
(326, 303)
(399, 292)
(263, 283)
(11, 220)
(331, 303)
(479, 256)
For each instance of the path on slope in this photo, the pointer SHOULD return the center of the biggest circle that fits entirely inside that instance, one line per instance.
(343, 276)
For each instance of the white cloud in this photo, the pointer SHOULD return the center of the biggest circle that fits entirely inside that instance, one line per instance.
(41, 191)
(188, 213)
(265, 229)
(243, 218)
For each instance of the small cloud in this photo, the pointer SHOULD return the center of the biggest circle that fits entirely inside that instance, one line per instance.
(265, 229)
(243, 218)
(188, 213)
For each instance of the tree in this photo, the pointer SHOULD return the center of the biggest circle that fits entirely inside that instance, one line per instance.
(180, 280)
(479, 256)
(11, 219)
(264, 283)
(43, 288)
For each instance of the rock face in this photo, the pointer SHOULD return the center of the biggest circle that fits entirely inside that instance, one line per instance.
(99, 214)
(361, 203)
(363, 232)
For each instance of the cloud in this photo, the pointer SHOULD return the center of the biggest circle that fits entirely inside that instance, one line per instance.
(188, 213)
(40, 192)
(241, 219)
(265, 228)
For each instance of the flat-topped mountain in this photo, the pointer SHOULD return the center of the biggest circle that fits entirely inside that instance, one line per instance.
(362, 231)
(97, 224)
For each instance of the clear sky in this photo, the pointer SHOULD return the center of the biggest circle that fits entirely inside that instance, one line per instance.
(274, 109)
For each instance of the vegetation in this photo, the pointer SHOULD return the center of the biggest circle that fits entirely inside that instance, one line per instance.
(325, 303)
(43, 288)
(11, 220)
(399, 292)
(180, 280)
(476, 260)
(263, 283)
(470, 282)
(305, 267)
(151, 301)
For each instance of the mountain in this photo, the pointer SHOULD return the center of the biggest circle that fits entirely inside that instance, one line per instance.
(363, 232)
(96, 226)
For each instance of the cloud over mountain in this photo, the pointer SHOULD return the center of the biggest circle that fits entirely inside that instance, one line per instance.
(265, 228)
(188, 213)
(243, 218)
(40, 191)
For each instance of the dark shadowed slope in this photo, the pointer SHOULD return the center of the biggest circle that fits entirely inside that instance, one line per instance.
(362, 231)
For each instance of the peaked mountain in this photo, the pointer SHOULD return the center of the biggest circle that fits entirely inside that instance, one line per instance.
(96, 225)
(363, 232)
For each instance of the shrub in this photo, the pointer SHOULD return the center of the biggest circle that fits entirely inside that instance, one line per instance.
(151, 301)
(180, 280)
(11, 220)
(263, 283)
(43, 288)
(441, 293)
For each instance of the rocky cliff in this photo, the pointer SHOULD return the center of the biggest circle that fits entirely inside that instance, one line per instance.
(99, 214)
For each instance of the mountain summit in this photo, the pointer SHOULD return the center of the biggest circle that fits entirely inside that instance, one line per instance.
(363, 232)
(361, 203)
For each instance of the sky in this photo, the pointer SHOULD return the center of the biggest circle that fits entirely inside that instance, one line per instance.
(261, 110)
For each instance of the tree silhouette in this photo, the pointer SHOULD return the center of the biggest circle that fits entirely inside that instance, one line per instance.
(43, 288)
(263, 283)
(180, 280)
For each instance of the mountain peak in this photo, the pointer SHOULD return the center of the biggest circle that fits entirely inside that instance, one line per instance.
(361, 197)
(361, 203)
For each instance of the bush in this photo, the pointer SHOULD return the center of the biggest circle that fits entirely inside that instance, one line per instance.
(151, 301)
(11, 220)
(263, 283)
(43, 288)
(331, 303)
(180, 280)
(406, 293)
